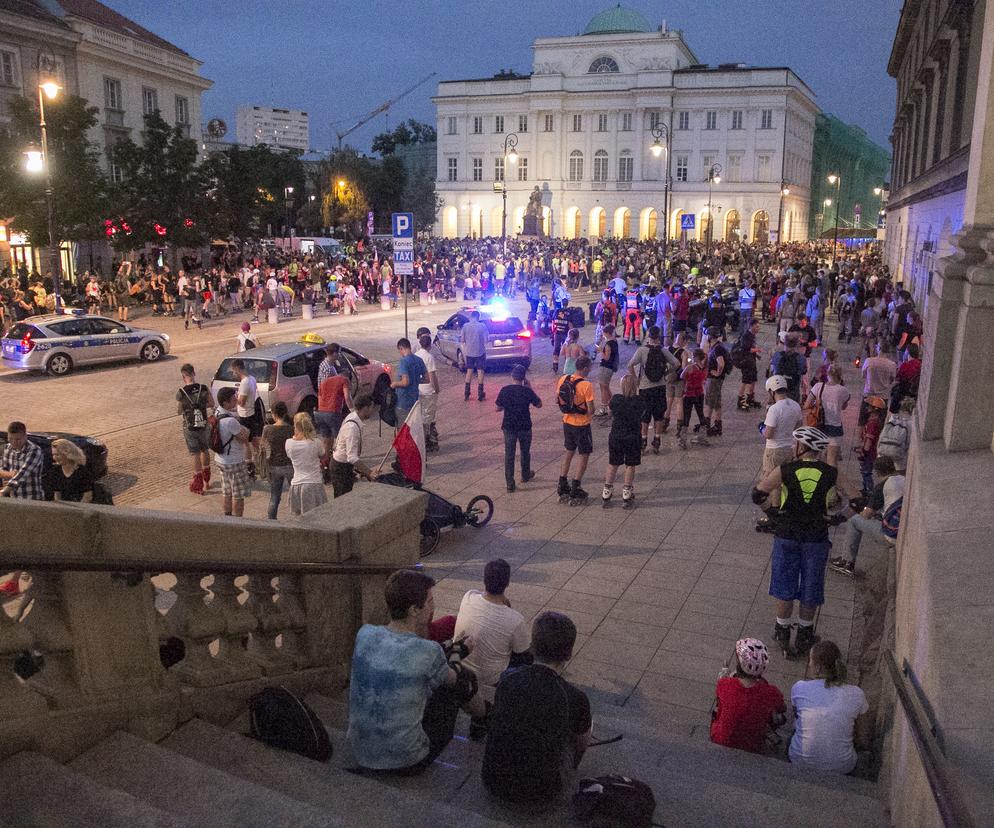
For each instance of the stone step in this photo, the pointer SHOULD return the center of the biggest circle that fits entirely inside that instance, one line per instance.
(357, 800)
(200, 793)
(41, 793)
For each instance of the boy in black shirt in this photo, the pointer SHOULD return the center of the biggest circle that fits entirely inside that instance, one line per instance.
(540, 724)
(514, 400)
(624, 443)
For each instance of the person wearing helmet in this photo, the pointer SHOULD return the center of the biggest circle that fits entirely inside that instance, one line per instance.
(783, 418)
(801, 544)
(246, 339)
(747, 707)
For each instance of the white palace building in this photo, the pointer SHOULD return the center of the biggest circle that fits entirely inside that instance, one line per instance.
(585, 122)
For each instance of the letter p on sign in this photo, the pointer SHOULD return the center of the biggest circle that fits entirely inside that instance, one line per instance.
(403, 225)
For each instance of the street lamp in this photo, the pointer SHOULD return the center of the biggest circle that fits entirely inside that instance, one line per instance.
(287, 192)
(510, 154)
(714, 177)
(784, 191)
(658, 132)
(837, 181)
(37, 162)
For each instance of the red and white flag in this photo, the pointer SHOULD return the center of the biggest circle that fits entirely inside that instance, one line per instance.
(410, 446)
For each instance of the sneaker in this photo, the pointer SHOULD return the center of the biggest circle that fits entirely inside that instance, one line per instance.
(842, 566)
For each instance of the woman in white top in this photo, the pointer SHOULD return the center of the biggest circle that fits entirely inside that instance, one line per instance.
(830, 716)
(306, 453)
(834, 397)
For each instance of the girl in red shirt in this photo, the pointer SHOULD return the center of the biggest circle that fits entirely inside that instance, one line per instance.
(747, 708)
(693, 377)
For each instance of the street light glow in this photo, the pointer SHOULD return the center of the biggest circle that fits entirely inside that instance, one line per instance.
(785, 191)
(512, 156)
(717, 179)
(341, 182)
(289, 190)
(50, 88)
(877, 191)
(828, 202)
(34, 162)
(656, 148)
(833, 178)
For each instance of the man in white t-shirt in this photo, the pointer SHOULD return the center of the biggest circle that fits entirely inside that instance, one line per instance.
(245, 408)
(500, 634)
(782, 418)
(428, 391)
(235, 482)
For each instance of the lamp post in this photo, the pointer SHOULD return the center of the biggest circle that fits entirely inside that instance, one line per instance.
(38, 162)
(784, 191)
(824, 212)
(837, 181)
(658, 132)
(510, 155)
(714, 177)
(287, 192)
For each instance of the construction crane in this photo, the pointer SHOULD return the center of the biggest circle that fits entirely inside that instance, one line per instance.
(384, 107)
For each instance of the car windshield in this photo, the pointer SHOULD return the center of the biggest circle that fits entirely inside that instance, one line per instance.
(505, 325)
(258, 368)
(21, 330)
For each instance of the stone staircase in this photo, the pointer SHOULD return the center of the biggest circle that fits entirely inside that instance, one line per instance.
(203, 774)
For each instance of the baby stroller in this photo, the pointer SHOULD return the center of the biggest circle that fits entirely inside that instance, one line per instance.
(442, 513)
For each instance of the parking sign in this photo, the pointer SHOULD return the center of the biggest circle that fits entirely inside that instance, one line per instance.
(403, 243)
(403, 225)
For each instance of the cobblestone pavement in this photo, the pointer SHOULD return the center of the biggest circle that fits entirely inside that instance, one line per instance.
(659, 593)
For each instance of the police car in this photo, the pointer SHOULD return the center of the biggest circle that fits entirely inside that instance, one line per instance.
(57, 343)
(508, 340)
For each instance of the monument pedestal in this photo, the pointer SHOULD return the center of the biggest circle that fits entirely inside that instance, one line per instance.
(531, 226)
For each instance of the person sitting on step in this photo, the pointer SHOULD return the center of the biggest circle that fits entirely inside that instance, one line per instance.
(747, 708)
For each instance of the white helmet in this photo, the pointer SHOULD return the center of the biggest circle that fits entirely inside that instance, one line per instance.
(777, 382)
(814, 439)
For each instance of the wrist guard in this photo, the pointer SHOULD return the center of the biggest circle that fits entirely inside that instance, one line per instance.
(759, 496)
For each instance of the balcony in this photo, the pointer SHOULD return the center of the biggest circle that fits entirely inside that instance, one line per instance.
(113, 117)
(598, 185)
(623, 185)
(574, 185)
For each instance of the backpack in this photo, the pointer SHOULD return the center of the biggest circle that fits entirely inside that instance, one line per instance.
(791, 370)
(281, 720)
(717, 351)
(737, 354)
(215, 442)
(614, 800)
(893, 440)
(566, 396)
(249, 343)
(815, 416)
(891, 520)
(197, 417)
(655, 364)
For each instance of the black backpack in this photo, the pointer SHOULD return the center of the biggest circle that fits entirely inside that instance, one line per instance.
(790, 369)
(249, 343)
(281, 720)
(737, 354)
(655, 364)
(720, 350)
(614, 800)
(566, 396)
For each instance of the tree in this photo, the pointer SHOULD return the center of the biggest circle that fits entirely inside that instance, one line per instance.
(405, 134)
(78, 184)
(421, 199)
(345, 176)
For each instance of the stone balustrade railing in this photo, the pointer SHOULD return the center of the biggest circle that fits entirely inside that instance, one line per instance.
(140, 620)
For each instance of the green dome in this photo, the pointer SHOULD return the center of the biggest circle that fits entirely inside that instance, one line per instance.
(617, 20)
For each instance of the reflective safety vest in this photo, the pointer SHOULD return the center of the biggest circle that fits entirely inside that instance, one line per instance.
(632, 300)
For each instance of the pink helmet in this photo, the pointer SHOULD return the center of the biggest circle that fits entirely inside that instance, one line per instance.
(246, 327)
(753, 656)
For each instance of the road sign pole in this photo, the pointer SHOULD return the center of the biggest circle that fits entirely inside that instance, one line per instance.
(403, 251)
(405, 306)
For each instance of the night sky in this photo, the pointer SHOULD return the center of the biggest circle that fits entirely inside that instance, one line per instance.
(339, 59)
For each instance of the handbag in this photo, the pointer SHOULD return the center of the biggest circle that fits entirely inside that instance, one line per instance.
(815, 415)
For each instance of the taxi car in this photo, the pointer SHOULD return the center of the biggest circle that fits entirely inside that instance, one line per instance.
(288, 372)
(509, 341)
(57, 343)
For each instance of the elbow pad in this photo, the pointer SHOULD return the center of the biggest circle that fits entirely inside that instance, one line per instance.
(759, 496)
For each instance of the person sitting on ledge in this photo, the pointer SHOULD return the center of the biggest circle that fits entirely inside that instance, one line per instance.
(405, 695)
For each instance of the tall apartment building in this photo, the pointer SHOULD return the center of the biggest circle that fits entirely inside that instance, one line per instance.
(281, 128)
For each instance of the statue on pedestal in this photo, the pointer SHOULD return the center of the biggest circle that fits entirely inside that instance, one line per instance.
(532, 225)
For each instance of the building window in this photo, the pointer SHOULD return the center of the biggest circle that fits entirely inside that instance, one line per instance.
(763, 165)
(734, 170)
(477, 124)
(737, 119)
(577, 123)
(182, 110)
(683, 120)
(625, 166)
(711, 119)
(8, 77)
(112, 94)
(708, 161)
(602, 123)
(453, 169)
(766, 119)
(499, 168)
(626, 122)
(499, 124)
(576, 166)
(522, 123)
(450, 129)
(681, 167)
(522, 169)
(602, 65)
(600, 165)
(478, 169)
(114, 172)
(655, 119)
(550, 121)
(150, 101)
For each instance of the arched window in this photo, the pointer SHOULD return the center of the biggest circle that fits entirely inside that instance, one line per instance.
(603, 64)
(576, 166)
(600, 165)
(625, 166)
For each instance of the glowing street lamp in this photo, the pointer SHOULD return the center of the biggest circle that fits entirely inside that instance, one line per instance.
(39, 162)
(837, 181)
(658, 132)
(34, 161)
(784, 191)
(510, 154)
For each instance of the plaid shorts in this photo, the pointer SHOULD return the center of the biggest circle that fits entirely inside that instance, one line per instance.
(235, 481)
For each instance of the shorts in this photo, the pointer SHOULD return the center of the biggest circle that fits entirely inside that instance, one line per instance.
(327, 423)
(604, 375)
(306, 496)
(655, 403)
(834, 434)
(624, 450)
(798, 572)
(197, 439)
(773, 458)
(578, 438)
(235, 480)
(253, 424)
(749, 372)
(478, 363)
(712, 392)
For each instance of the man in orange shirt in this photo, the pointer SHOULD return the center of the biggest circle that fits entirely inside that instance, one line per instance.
(575, 395)
(334, 399)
